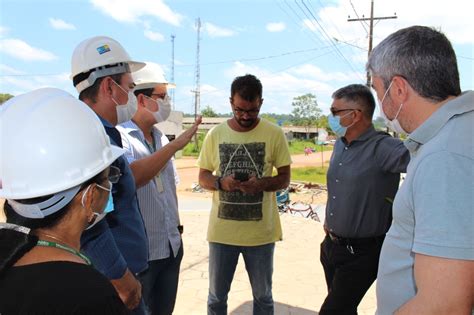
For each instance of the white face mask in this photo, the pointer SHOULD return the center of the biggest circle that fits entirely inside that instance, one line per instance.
(126, 111)
(164, 109)
(393, 124)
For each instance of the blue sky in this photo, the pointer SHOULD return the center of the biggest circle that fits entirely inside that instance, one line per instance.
(294, 46)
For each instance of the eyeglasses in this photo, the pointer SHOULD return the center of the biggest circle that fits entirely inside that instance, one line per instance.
(250, 112)
(160, 95)
(114, 174)
(335, 111)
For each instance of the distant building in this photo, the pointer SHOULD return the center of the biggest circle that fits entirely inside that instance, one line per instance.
(291, 132)
(207, 122)
(173, 126)
(303, 133)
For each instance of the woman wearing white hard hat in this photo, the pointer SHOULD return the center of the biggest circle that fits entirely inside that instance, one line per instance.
(56, 185)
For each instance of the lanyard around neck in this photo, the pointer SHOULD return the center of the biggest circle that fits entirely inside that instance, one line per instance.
(66, 248)
(151, 146)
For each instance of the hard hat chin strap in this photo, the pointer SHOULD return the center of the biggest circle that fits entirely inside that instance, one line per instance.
(47, 207)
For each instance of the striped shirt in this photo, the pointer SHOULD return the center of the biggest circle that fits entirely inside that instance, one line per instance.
(157, 199)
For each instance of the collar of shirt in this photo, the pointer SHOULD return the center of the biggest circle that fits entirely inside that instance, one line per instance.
(427, 130)
(369, 133)
(130, 127)
(112, 132)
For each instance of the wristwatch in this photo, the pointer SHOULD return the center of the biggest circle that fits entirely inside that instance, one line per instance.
(217, 183)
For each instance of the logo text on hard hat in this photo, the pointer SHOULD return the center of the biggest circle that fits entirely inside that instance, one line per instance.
(103, 49)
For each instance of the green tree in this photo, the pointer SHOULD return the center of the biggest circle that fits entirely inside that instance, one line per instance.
(208, 112)
(269, 117)
(306, 112)
(379, 123)
(4, 97)
(323, 123)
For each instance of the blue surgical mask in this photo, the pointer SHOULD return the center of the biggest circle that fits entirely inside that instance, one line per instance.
(335, 125)
(109, 207)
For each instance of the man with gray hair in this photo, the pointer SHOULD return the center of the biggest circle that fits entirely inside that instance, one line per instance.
(427, 260)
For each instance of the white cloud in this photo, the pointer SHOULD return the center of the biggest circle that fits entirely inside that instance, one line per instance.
(7, 70)
(18, 82)
(309, 25)
(217, 31)
(276, 27)
(3, 31)
(19, 49)
(312, 71)
(154, 36)
(61, 24)
(133, 11)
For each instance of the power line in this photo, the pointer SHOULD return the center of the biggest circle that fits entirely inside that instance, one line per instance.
(371, 30)
(362, 23)
(259, 58)
(288, 53)
(313, 36)
(329, 38)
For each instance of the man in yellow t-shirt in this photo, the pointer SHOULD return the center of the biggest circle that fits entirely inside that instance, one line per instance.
(236, 161)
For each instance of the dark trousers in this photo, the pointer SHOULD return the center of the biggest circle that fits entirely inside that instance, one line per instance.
(349, 271)
(160, 283)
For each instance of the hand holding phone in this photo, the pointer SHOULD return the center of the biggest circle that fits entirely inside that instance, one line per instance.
(241, 176)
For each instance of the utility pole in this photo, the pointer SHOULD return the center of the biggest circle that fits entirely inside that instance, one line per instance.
(172, 68)
(197, 90)
(371, 29)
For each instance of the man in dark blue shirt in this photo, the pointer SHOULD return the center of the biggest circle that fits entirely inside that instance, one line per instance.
(362, 180)
(117, 245)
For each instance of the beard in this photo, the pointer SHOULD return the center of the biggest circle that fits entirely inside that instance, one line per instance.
(246, 123)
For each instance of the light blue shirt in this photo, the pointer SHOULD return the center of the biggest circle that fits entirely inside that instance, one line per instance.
(157, 199)
(433, 212)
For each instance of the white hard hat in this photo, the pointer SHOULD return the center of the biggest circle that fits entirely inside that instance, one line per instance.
(149, 76)
(101, 56)
(51, 144)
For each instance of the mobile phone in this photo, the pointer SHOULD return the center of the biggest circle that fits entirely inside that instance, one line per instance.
(241, 176)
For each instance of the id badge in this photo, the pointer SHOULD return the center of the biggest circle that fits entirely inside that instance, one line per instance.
(159, 183)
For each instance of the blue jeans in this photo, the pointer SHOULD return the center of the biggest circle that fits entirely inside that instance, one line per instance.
(160, 283)
(222, 263)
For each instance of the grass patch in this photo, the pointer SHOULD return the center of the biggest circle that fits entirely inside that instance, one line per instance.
(297, 146)
(309, 174)
(190, 149)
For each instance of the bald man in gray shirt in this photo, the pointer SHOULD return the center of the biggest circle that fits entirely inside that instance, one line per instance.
(362, 179)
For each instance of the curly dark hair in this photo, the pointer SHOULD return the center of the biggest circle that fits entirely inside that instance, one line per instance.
(248, 87)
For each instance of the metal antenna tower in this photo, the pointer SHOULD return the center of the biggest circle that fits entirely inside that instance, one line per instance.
(172, 68)
(197, 90)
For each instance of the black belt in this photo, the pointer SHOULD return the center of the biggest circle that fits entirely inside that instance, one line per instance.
(354, 241)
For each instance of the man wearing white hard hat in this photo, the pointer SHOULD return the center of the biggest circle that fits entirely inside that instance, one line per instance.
(117, 246)
(150, 156)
